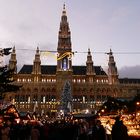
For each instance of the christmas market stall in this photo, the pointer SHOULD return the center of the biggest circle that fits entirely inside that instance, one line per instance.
(9, 112)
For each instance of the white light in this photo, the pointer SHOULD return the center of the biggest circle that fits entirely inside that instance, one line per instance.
(87, 111)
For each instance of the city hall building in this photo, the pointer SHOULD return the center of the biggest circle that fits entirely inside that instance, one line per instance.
(42, 85)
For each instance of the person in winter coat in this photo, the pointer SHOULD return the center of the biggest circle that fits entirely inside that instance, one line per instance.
(119, 130)
(35, 134)
(98, 131)
(108, 129)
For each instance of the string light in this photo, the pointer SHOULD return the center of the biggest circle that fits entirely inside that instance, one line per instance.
(76, 52)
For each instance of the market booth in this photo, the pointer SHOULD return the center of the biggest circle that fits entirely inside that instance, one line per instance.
(9, 113)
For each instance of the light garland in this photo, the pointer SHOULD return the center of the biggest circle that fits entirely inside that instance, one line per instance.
(58, 57)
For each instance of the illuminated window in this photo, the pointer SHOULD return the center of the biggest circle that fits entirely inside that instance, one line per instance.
(43, 99)
(64, 65)
(28, 100)
(29, 80)
(19, 80)
(53, 80)
(49, 80)
(43, 80)
(83, 80)
(73, 80)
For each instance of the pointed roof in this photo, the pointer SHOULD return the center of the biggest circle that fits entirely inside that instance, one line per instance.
(111, 57)
(89, 53)
(64, 15)
(14, 50)
(89, 57)
(13, 55)
(64, 39)
(37, 51)
(37, 55)
(111, 53)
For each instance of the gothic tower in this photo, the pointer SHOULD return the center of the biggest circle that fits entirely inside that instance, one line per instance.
(112, 69)
(36, 72)
(64, 50)
(90, 72)
(13, 61)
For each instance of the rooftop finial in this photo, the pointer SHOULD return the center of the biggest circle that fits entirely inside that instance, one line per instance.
(89, 51)
(64, 6)
(64, 9)
(111, 52)
(14, 49)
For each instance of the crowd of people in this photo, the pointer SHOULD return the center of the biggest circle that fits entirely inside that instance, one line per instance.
(116, 132)
(64, 130)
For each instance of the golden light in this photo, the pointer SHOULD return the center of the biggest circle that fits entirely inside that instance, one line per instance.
(17, 120)
(58, 57)
(102, 110)
(137, 103)
(87, 111)
(138, 114)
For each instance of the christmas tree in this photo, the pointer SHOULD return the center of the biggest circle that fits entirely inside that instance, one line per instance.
(66, 98)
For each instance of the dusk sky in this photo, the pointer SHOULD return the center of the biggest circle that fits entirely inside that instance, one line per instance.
(95, 24)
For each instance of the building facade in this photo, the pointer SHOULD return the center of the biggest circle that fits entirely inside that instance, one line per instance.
(42, 85)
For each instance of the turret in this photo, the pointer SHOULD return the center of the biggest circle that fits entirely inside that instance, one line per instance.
(90, 72)
(13, 61)
(112, 69)
(37, 66)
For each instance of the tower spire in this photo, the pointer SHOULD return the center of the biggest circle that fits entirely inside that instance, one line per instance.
(64, 10)
(112, 69)
(13, 61)
(90, 72)
(37, 63)
(64, 43)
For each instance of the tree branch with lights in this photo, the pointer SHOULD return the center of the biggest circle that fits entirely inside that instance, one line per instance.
(6, 76)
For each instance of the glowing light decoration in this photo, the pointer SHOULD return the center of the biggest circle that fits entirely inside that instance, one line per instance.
(69, 54)
(58, 56)
(47, 53)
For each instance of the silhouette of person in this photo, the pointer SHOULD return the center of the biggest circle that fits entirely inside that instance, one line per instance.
(98, 131)
(119, 130)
